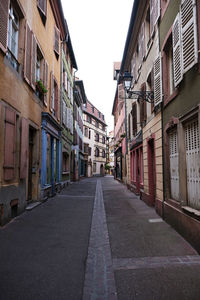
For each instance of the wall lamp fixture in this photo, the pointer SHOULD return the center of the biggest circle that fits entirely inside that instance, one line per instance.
(147, 96)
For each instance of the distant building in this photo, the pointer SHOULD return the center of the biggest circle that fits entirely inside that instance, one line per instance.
(94, 140)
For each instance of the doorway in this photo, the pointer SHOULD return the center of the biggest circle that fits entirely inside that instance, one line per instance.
(32, 133)
(151, 171)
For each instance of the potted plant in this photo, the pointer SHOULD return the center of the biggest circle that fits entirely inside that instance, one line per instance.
(41, 88)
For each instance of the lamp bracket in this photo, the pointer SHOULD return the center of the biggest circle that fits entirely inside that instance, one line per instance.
(147, 96)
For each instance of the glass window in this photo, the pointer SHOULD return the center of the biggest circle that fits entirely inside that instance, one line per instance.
(13, 29)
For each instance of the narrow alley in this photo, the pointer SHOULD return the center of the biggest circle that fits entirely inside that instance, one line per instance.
(95, 240)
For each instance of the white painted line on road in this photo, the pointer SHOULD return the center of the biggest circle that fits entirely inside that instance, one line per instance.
(72, 196)
(158, 220)
(99, 277)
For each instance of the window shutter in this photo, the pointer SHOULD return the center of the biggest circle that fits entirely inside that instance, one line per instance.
(177, 53)
(156, 11)
(121, 93)
(134, 118)
(51, 90)
(9, 144)
(24, 148)
(56, 40)
(158, 80)
(152, 16)
(189, 34)
(133, 67)
(45, 80)
(27, 61)
(33, 60)
(42, 4)
(4, 6)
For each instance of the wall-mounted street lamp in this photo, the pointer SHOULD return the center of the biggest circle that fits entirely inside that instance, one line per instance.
(147, 96)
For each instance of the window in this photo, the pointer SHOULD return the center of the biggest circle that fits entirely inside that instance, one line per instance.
(103, 153)
(134, 118)
(89, 119)
(13, 29)
(174, 167)
(54, 96)
(168, 79)
(94, 167)
(86, 131)
(97, 124)
(89, 151)
(103, 139)
(192, 151)
(103, 117)
(147, 29)
(65, 164)
(93, 109)
(42, 7)
(97, 137)
(99, 114)
(97, 152)
(89, 134)
(56, 41)
(143, 108)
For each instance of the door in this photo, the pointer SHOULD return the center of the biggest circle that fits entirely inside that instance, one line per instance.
(151, 171)
(30, 164)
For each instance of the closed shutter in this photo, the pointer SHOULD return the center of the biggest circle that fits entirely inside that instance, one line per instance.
(51, 94)
(174, 167)
(27, 61)
(158, 80)
(151, 17)
(56, 39)
(4, 5)
(189, 34)
(42, 4)
(192, 143)
(133, 67)
(156, 11)
(45, 81)
(24, 148)
(121, 92)
(141, 45)
(177, 51)
(33, 61)
(134, 118)
(9, 144)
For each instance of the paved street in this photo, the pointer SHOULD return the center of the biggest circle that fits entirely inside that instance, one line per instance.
(95, 240)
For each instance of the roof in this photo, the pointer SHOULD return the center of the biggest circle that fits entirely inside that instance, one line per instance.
(96, 114)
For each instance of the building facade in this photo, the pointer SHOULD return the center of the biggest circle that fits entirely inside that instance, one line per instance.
(94, 140)
(180, 45)
(68, 65)
(78, 145)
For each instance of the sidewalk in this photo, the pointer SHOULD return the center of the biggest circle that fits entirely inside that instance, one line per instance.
(151, 261)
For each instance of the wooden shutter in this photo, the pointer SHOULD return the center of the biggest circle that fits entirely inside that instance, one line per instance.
(33, 61)
(45, 80)
(192, 143)
(174, 167)
(143, 106)
(134, 118)
(151, 17)
(156, 11)
(177, 51)
(42, 4)
(56, 100)
(27, 61)
(51, 91)
(189, 34)
(133, 67)
(158, 80)
(4, 6)
(24, 148)
(9, 144)
(121, 92)
(56, 40)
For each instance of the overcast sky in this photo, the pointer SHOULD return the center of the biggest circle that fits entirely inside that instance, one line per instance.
(98, 30)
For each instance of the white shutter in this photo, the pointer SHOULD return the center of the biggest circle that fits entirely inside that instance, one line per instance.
(151, 17)
(174, 168)
(177, 51)
(189, 34)
(133, 67)
(192, 143)
(156, 11)
(158, 80)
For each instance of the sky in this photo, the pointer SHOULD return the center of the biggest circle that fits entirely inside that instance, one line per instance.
(98, 30)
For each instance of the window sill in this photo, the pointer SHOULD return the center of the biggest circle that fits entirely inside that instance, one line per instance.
(191, 210)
